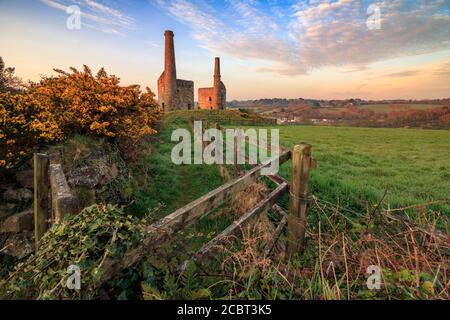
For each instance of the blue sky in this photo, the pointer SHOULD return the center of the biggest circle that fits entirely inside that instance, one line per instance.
(269, 48)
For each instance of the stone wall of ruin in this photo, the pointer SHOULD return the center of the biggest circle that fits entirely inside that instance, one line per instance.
(184, 98)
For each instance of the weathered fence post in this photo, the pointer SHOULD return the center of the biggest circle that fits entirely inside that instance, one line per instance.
(41, 186)
(301, 163)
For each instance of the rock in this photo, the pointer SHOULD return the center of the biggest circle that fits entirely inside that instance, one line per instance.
(19, 245)
(5, 210)
(63, 200)
(14, 195)
(18, 222)
(97, 173)
(25, 178)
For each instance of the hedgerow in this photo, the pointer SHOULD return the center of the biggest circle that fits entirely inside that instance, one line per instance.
(72, 102)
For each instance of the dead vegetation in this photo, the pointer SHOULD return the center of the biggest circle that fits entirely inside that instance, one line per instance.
(412, 255)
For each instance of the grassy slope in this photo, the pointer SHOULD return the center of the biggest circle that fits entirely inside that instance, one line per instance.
(155, 179)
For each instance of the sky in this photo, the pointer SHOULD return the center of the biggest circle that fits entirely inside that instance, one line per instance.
(319, 49)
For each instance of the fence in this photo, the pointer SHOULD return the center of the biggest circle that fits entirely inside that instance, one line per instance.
(51, 177)
(53, 199)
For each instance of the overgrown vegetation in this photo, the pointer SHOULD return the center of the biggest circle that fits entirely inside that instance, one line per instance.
(413, 260)
(72, 102)
(352, 224)
(85, 240)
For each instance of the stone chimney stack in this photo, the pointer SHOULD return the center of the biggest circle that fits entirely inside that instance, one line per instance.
(170, 72)
(216, 88)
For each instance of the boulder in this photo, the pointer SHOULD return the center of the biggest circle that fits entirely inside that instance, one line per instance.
(15, 195)
(18, 222)
(96, 173)
(25, 178)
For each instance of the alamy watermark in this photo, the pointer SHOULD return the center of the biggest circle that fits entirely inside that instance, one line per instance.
(373, 22)
(73, 22)
(258, 149)
(374, 280)
(74, 280)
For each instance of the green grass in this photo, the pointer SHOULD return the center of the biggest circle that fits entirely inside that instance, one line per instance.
(155, 179)
(381, 108)
(356, 165)
(385, 108)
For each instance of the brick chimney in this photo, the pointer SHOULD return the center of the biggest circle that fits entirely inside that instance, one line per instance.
(216, 89)
(170, 72)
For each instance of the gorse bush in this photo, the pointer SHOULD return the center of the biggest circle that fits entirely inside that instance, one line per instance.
(75, 102)
(24, 122)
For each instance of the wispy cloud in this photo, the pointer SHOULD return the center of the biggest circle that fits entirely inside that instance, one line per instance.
(403, 74)
(443, 70)
(104, 18)
(312, 34)
(250, 34)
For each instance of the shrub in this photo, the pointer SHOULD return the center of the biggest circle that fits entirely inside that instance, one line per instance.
(75, 102)
(24, 123)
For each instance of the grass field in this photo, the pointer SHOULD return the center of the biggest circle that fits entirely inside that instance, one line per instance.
(385, 108)
(356, 165)
(382, 108)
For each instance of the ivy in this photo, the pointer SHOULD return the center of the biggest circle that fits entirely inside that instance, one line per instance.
(84, 240)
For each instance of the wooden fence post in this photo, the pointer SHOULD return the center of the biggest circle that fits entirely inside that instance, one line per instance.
(301, 163)
(41, 186)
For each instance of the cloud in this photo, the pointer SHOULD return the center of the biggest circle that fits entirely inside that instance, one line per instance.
(120, 18)
(105, 19)
(336, 33)
(312, 34)
(403, 74)
(250, 35)
(443, 70)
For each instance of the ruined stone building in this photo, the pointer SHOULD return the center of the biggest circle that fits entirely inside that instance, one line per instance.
(173, 93)
(213, 98)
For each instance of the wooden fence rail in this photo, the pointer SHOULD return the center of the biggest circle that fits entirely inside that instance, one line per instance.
(160, 231)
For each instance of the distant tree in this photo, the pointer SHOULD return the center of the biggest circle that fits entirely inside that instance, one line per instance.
(8, 81)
